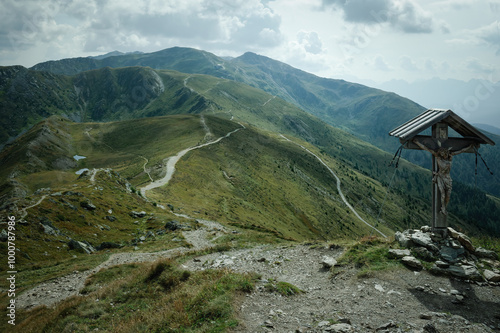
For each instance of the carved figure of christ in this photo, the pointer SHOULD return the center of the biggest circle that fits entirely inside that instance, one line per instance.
(442, 177)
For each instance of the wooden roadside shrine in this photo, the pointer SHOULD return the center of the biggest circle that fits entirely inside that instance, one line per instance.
(443, 148)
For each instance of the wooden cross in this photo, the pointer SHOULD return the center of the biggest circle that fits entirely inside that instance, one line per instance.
(442, 148)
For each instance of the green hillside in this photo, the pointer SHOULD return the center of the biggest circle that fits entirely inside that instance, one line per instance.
(365, 112)
(137, 92)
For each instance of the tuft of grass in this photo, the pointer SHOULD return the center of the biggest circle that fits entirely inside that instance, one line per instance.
(369, 255)
(487, 242)
(282, 288)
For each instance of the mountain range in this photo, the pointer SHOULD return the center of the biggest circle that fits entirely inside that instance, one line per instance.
(365, 112)
(213, 162)
(347, 123)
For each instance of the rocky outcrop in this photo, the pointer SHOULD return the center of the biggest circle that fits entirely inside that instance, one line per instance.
(88, 205)
(452, 255)
(83, 247)
(137, 215)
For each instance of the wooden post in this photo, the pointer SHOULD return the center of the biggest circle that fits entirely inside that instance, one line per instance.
(439, 220)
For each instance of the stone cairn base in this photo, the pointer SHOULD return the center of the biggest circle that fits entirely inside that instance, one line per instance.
(452, 255)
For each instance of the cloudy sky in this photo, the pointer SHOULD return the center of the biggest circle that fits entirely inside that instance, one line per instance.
(368, 41)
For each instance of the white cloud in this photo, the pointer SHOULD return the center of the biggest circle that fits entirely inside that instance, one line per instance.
(310, 41)
(381, 64)
(490, 34)
(408, 64)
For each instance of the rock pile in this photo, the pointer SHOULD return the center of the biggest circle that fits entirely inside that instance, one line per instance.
(452, 255)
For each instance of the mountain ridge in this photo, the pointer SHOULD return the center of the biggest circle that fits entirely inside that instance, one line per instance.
(366, 112)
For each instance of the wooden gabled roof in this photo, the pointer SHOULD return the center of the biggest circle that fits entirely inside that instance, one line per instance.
(430, 117)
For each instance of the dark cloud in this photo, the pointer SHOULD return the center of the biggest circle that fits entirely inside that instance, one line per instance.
(403, 15)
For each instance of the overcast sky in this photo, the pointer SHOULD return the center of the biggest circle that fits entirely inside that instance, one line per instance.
(358, 40)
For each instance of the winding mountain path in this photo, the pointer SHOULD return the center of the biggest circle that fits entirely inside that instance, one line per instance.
(338, 186)
(172, 161)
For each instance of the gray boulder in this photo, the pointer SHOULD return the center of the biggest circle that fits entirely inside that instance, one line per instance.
(83, 247)
(466, 272)
(137, 214)
(328, 262)
(340, 328)
(424, 239)
(483, 253)
(50, 230)
(450, 254)
(88, 205)
(403, 239)
(424, 254)
(412, 262)
(463, 239)
(398, 253)
(108, 245)
(110, 218)
(491, 276)
(173, 225)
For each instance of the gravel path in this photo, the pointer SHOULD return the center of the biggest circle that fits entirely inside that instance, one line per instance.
(402, 301)
(171, 161)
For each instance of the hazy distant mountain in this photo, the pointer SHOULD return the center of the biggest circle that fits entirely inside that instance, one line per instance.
(488, 128)
(114, 54)
(477, 101)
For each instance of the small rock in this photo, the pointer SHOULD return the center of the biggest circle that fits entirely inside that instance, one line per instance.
(379, 288)
(399, 253)
(110, 218)
(386, 326)
(137, 214)
(450, 254)
(173, 225)
(425, 228)
(491, 276)
(442, 264)
(483, 253)
(323, 323)
(81, 246)
(88, 205)
(425, 316)
(463, 239)
(340, 328)
(3, 236)
(424, 254)
(403, 239)
(424, 240)
(430, 328)
(269, 324)
(108, 245)
(412, 262)
(328, 262)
